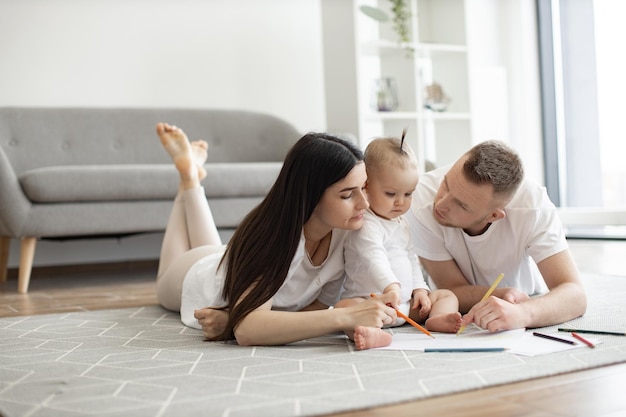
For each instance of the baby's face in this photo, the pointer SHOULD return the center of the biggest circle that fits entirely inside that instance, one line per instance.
(390, 191)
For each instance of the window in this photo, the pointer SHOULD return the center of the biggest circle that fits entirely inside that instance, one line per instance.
(583, 71)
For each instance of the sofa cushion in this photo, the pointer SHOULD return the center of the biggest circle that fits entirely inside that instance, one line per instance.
(71, 183)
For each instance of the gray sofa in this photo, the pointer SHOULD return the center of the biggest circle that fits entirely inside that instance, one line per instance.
(84, 172)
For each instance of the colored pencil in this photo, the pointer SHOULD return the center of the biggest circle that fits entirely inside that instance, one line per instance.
(556, 339)
(582, 339)
(561, 329)
(413, 323)
(487, 294)
(486, 349)
(409, 320)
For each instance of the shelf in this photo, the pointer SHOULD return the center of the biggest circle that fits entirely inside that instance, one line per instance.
(408, 115)
(441, 47)
(383, 46)
(392, 115)
(428, 114)
(437, 52)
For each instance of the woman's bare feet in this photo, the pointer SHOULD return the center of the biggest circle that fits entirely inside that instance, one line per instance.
(189, 157)
(370, 337)
(444, 323)
(199, 151)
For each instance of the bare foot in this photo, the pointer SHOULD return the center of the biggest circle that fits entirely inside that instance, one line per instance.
(370, 337)
(199, 151)
(188, 157)
(445, 323)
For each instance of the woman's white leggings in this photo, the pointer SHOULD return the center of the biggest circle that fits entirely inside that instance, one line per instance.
(190, 235)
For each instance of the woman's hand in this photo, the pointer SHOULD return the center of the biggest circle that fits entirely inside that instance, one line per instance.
(213, 321)
(373, 312)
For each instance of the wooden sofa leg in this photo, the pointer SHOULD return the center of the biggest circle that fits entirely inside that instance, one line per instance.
(27, 254)
(5, 244)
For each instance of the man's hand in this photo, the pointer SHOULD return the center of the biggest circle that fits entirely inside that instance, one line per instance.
(512, 295)
(213, 321)
(495, 314)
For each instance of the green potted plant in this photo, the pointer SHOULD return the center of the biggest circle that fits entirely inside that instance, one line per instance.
(400, 18)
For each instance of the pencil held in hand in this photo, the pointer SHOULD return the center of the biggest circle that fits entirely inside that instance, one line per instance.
(487, 295)
(408, 320)
(413, 323)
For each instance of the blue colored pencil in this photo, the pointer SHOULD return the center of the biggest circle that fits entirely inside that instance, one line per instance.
(485, 349)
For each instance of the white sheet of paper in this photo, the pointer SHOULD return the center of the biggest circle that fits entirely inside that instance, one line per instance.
(519, 342)
(531, 345)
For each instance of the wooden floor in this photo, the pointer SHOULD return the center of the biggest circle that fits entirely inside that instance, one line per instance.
(598, 392)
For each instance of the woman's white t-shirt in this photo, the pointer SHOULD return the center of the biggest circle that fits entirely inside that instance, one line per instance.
(530, 233)
(305, 283)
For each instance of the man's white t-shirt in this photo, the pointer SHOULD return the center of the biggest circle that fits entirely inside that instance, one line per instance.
(305, 283)
(530, 233)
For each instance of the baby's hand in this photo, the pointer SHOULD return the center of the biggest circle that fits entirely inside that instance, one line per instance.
(421, 302)
(394, 290)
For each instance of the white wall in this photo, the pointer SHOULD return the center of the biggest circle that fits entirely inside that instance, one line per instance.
(504, 61)
(246, 54)
(242, 54)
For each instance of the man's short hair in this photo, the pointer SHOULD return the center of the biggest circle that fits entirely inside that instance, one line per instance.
(493, 162)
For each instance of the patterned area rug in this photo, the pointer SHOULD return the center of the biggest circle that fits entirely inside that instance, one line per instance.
(144, 362)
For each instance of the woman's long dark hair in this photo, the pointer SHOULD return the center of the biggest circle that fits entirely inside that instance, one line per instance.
(260, 252)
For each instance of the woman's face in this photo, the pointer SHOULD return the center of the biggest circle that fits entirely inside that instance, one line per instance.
(342, 205)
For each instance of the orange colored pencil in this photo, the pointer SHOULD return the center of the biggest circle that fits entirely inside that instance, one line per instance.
(409, 320)
(413, 323)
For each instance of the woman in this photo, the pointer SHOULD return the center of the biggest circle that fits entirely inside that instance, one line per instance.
(283, 267)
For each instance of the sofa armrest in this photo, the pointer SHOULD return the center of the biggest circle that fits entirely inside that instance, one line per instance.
(14, 206)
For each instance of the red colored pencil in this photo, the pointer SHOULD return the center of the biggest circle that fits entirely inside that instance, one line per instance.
(582, 339)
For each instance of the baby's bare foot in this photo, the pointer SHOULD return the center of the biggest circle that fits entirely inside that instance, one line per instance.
(370, 337)
(445, 323)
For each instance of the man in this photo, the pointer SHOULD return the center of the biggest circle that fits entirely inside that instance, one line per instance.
(479, 218)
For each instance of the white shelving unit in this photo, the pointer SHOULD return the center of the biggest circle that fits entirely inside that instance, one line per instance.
(359, 47)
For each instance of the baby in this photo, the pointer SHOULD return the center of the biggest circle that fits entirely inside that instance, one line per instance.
(379, 257)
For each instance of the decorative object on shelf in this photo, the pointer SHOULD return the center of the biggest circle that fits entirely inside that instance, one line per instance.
(435, 99)
(384, 95)
(400, 20)
(438, 34)
(375, 13)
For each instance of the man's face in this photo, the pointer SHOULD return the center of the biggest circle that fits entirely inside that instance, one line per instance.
(463, 204)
